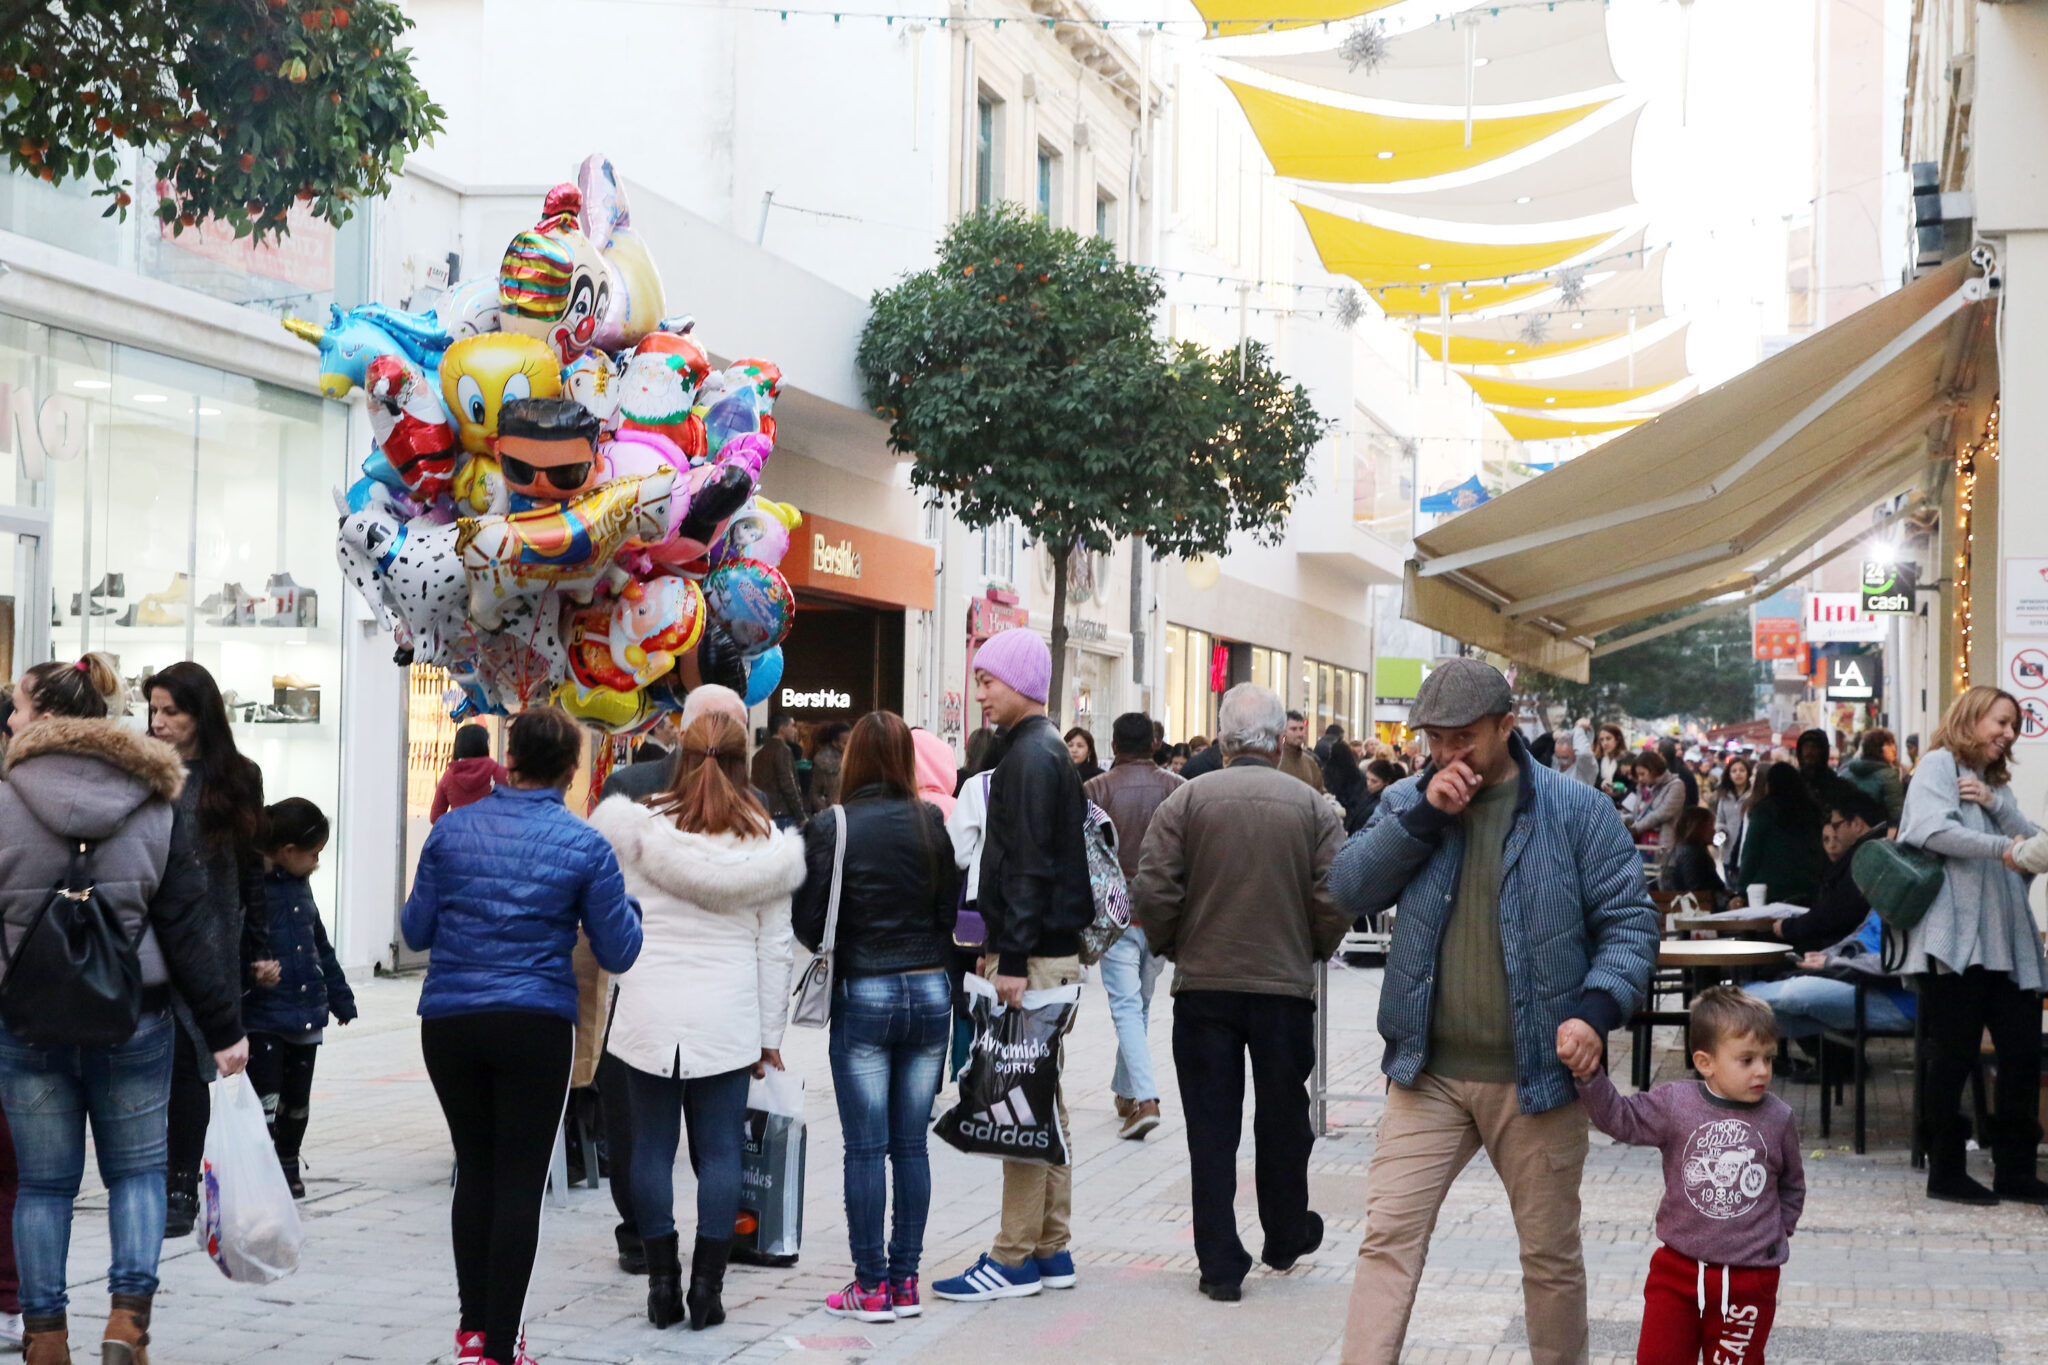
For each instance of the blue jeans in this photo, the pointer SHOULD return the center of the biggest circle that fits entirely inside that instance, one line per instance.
(889, 1037)
(717, 1110)
(49, 1092)
(1129, 971)
(1807, 1004)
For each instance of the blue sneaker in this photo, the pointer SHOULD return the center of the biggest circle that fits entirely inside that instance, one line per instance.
(989, 1278)
(1056, 1271)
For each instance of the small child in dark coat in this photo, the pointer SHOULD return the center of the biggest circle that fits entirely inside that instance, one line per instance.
(285, 1022)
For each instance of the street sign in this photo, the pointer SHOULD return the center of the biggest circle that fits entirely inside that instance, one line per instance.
(1855, 677)
(1839, 618)
(2033, 720)
(1888, 588)
(2026, 596)
(2027, 670)
(2025, 675)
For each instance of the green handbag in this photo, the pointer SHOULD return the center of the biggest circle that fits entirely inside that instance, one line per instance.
(1899, 881)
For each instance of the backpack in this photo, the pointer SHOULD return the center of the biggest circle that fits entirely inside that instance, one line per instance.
(1106, 885)
(1898, 880)
(74, 980)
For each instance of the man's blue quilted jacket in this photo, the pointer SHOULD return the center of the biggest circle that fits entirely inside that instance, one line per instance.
(502, 884)
(1576, 925)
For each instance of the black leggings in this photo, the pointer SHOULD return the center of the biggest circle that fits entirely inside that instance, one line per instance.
(191, 1106)
(282, 1073)
(1959, 1007)
(502, 1077)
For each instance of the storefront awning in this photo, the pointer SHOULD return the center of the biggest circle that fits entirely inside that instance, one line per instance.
(1717, 496)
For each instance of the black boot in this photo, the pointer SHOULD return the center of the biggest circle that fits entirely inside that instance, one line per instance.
(632, 1252)
(665, 1281)
(707, 1282)
(2015, 1145)
(290, 1165)
(1948, 1170)
(181, 1203)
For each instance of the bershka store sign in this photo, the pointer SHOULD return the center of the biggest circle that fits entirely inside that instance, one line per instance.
(826, 700)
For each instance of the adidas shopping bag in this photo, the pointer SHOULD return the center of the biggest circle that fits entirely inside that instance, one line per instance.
(1009, 1089)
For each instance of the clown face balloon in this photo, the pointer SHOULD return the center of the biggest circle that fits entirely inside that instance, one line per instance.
(553, 284)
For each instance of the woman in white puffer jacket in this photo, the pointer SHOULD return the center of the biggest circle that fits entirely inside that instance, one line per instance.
(702, 1010)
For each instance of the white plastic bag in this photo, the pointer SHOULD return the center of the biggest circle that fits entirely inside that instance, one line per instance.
(249, 1224)
(778, 1092)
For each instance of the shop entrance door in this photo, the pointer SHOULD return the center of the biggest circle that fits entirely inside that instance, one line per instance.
(26, 597)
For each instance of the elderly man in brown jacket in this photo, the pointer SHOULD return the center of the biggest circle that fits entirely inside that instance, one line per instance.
(1233, 889)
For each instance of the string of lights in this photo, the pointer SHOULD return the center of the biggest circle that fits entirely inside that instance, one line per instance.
(1966, 472)
(1177, 24)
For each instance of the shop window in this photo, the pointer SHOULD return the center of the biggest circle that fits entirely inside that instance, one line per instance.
(1336, 696)
(1269, 670)
(1191, 696)
(191, 517)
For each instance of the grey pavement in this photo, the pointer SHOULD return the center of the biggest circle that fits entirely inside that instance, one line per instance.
(1878, 1273)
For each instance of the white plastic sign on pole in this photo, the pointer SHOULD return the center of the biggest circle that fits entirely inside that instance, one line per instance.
(2024, 673)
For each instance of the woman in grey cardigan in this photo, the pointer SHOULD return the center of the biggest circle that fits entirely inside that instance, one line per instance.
(1978, 953)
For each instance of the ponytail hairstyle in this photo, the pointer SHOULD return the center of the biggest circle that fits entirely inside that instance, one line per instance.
(230, 786)
(710, 793)
(294, 822)
(85, 690)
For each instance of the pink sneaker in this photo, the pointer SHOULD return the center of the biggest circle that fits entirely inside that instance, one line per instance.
(869, 1305)
(903, 1294)
(469, 1348)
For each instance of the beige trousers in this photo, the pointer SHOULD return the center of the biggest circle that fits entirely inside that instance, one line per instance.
(1038, 1200)
(1428, 1133)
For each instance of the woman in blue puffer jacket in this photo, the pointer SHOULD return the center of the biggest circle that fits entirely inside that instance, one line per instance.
(502, 886)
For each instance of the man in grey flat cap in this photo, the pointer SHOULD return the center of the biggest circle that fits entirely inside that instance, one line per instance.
(1524, 937)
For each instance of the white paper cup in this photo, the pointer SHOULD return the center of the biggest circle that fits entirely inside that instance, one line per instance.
(1758, 895)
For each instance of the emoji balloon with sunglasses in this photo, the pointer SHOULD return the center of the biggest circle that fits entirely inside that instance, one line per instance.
(546, 449)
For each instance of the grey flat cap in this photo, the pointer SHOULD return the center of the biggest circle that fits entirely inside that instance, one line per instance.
(1458, 692)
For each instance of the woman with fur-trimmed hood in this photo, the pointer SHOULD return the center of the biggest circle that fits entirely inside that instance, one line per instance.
(74, 776)
(701, 1012)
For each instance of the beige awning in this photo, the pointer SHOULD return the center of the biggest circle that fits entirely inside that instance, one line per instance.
(1717, 496)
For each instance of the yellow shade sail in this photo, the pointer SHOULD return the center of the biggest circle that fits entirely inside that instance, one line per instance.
(1397, 301)
(1509, 393)
(1524, 428)
(1488, 351)
(1228, 18)
(1312, 141)
(1377, 255)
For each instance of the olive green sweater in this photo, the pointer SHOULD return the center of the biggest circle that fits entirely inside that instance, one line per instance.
(1472, 1030)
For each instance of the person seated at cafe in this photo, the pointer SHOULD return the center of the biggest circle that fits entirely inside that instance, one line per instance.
(1822, 995)
(1854, 818)
(1691, 865)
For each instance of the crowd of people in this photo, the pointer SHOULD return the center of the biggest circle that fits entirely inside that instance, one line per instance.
(648, 951)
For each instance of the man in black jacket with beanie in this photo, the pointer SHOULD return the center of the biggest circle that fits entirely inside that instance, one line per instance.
(1035, 900)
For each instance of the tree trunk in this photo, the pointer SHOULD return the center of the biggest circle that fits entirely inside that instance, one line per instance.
(1055, 696)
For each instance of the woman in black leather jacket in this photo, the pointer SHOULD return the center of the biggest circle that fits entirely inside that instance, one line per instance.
(891, 1003)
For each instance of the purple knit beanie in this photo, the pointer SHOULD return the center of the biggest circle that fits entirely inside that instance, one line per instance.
(1019, 658)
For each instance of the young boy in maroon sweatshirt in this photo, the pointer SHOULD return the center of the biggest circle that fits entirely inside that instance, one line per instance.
(1733, 1185)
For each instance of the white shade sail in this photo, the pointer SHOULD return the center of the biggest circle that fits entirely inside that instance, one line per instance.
(1658, 362)
(1524, 55)
(1589, 177)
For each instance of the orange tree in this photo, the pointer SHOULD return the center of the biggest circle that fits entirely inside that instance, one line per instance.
(246, 106)
(1023, 375)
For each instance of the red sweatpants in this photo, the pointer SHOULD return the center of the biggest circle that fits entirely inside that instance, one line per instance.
(1705, 1315)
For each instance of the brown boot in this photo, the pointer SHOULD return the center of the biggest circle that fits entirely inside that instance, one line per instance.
(45, 1341)
(127, 1339)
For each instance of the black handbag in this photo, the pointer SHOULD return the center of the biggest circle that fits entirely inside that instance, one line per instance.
(74, 980)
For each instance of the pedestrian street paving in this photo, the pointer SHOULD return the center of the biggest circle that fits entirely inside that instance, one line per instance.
(1878, 1273)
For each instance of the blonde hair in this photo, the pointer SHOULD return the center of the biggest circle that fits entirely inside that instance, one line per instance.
(1957, 732)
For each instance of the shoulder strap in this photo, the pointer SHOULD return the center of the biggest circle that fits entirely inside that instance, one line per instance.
(831, 938)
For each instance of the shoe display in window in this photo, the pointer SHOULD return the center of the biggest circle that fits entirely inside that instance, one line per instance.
(237, 608)
(154, 610)
(290, 604)
(98, 608)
